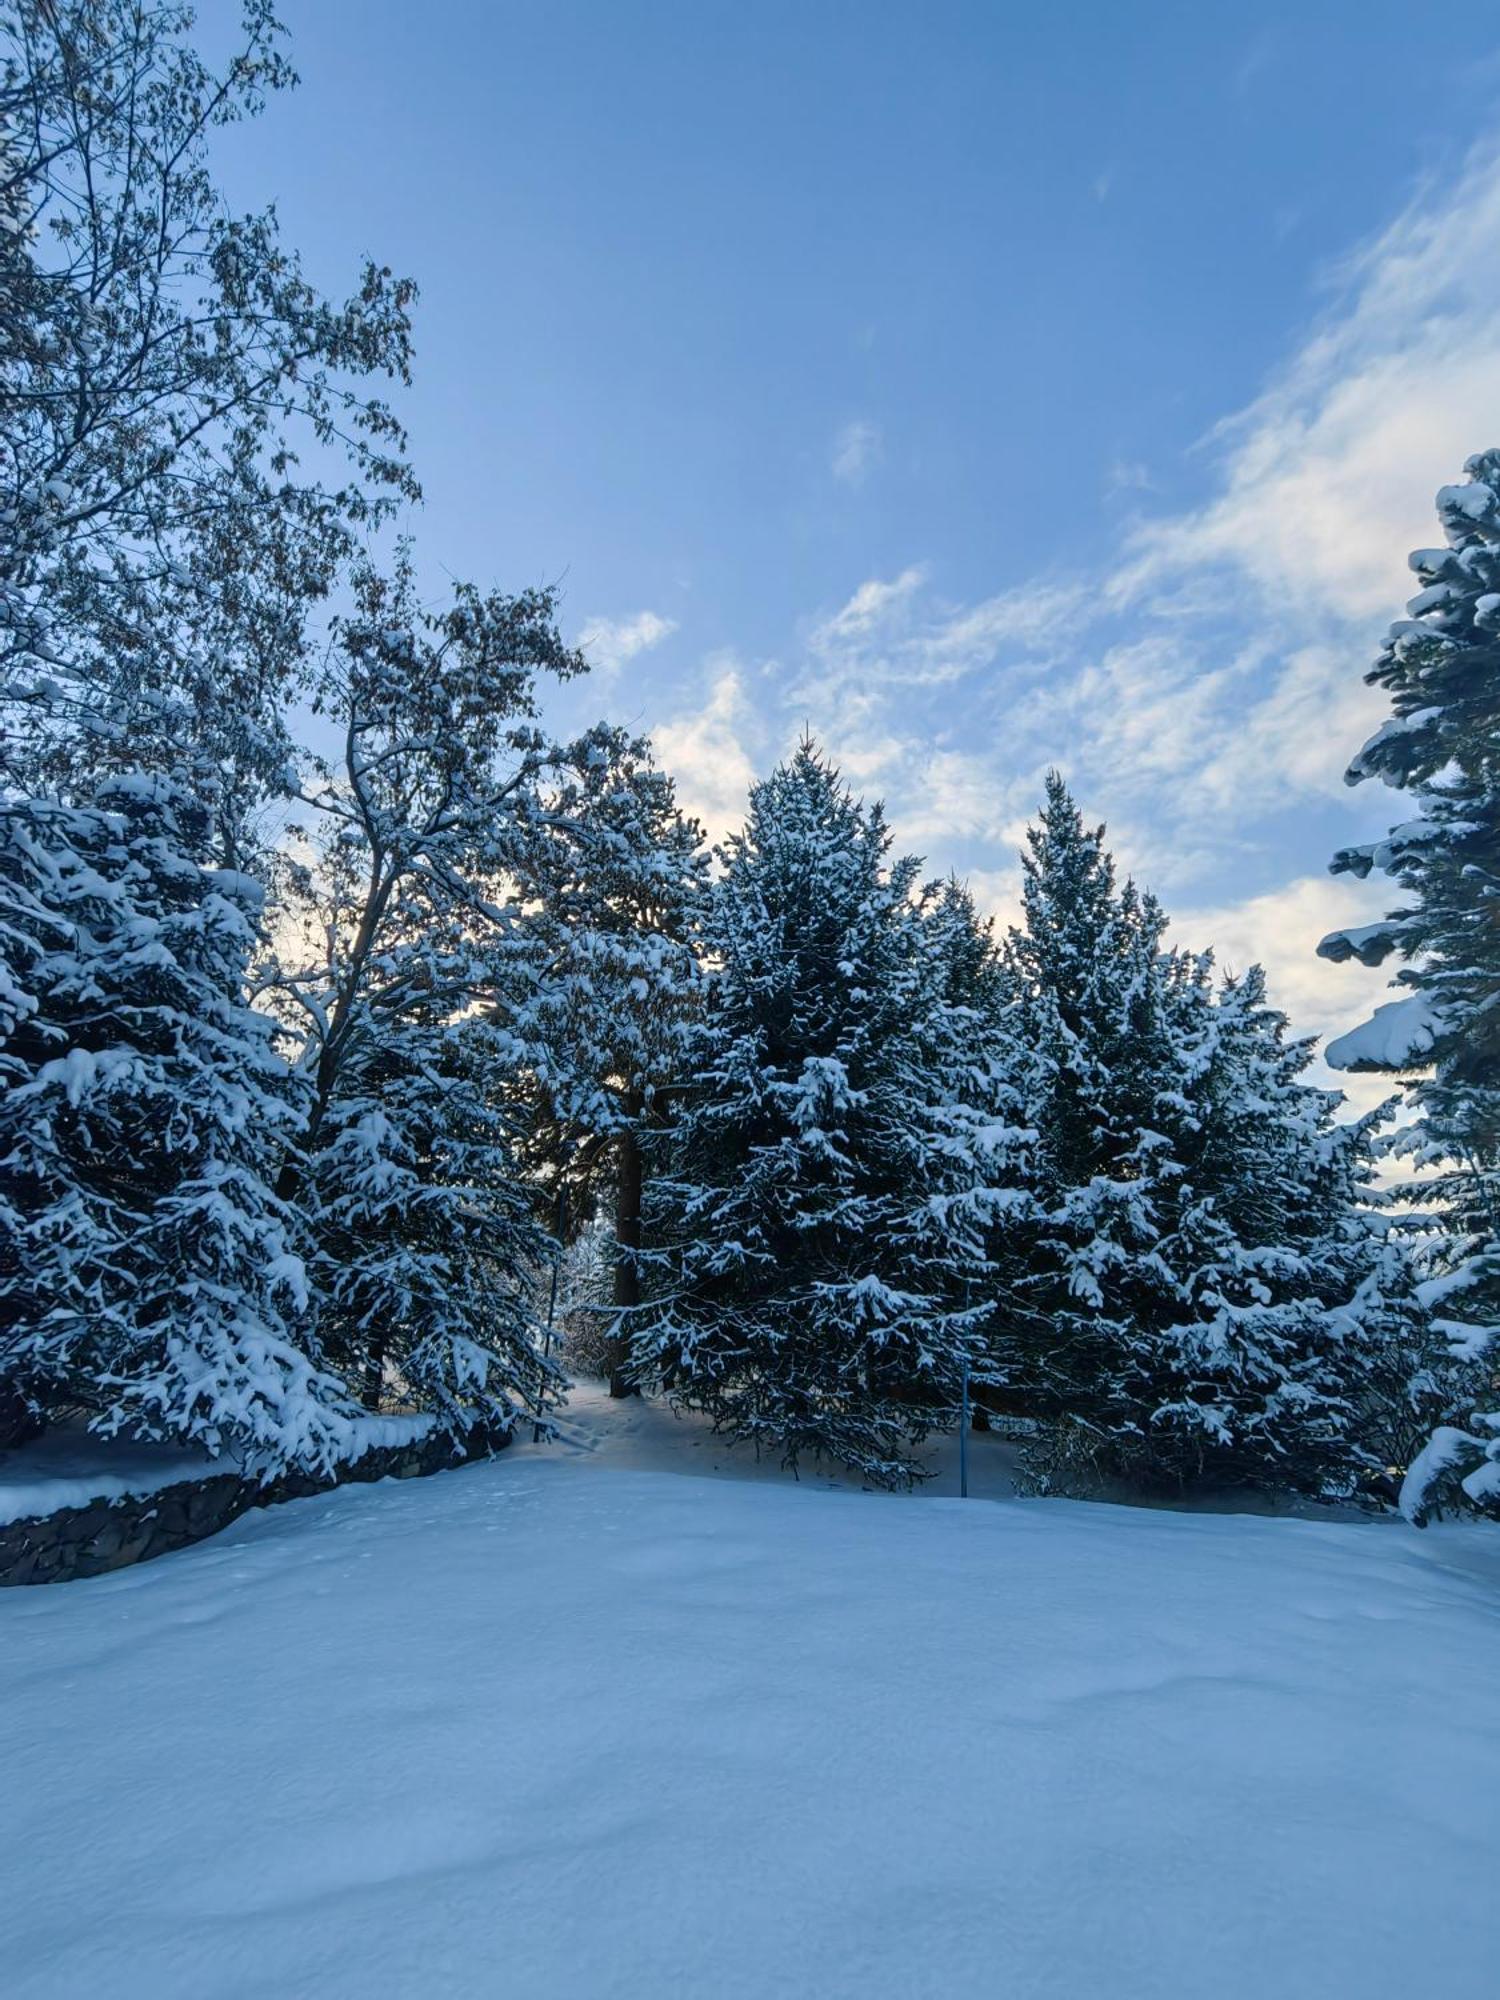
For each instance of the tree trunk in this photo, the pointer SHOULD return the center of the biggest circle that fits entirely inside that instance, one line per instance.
(627, 1288)
(18, 1421)
(374, 1377)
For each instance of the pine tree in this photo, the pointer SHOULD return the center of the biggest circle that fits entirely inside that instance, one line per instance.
(1092, 1018)
(1300, 1295)
(408, 1174)
(601, 1030)
(422, 1240)
(974, 1061)
(817, 1272)
(145, 1271)
(159, 552)
(1187, 1302)
(1441, 667)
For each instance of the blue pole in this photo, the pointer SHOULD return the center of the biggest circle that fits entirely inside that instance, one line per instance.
(562, 1223)
(963, 1439)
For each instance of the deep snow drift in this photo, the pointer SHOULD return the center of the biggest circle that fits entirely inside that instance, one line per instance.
(558, 1725)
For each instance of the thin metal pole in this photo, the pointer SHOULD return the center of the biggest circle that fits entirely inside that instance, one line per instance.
(562, 1223)
(963, 1439)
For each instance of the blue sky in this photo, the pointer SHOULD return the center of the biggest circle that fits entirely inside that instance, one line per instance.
(983, 386)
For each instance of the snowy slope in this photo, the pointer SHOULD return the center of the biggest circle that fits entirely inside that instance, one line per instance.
(557, 1725)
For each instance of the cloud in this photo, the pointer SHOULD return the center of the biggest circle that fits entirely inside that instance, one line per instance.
(1280, 931)
(997, 894)
(1127, 475)
(893, 634)
(887, 675)
(1243, 697)
(1202, 687)
(715, 750)
(1257, 59)
(1326, 480)
(857, 451)
(1211, 686)
(611, 642)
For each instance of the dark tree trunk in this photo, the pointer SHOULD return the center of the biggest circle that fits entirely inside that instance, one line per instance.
(18, 1421)
(627, 1287)
(374, 1377)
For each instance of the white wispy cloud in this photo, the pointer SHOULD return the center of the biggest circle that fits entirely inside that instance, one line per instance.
(1127, 475)
(857, 450)
(1215, 675)
(895, 634)
(1262, 605)
(715, 748)
(1203, 692)
(1326, 480)
(611, 642)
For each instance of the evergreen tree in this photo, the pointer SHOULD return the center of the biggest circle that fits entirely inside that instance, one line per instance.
(1300, 1296)
(818, 1278)
(1197, 1249)
(601, 1031)
(1092, 1018)
(1441, 667)
(418, 1219)
(969, 1031)
(159, 551)
(413, 903)
(145, 1271)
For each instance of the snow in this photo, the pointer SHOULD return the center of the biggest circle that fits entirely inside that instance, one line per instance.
(1473, 499)
(1466, 1340)
(1447, 1449)
(1368, 942)
(1396, 1036)
(1398, 725)
(372, 1433)
(69, 1466)
(588, 1722)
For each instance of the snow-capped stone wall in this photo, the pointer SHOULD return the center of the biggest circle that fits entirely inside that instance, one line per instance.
(111, 1532)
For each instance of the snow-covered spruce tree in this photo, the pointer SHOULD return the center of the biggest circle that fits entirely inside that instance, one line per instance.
(145, 1273)
(1305, 1350)
(158, 552)
(969, 1029)
(1091, 999)
(815, 1228)
(417, 1219)
(1441, 667)
(415, 900)
(1185, 1313)
(612, 900)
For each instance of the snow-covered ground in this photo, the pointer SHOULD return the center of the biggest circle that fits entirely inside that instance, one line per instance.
(604, 1723)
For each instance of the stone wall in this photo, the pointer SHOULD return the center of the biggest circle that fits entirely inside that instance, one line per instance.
(112, 1534)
